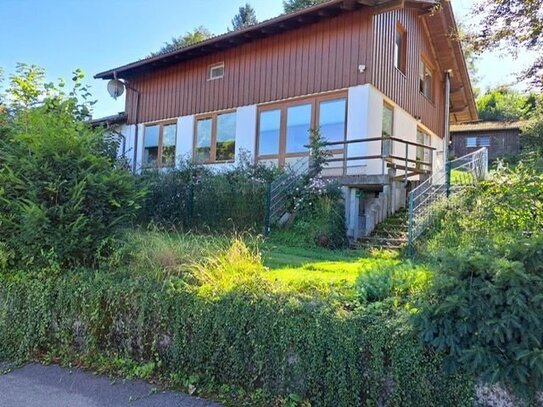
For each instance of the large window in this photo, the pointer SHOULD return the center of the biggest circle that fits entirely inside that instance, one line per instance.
(400, 48)
(269, 132)
(284, 129)
(215, 138)
(426, 79)
(298, 126)
(159, 145)
(387, 131)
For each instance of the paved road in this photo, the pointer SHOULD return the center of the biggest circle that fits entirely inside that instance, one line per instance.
(53, 386)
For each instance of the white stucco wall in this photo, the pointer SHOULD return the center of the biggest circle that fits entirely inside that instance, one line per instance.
(364, 120)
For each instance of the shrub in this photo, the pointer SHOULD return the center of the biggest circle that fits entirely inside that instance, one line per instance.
(62, 198)
(194, 198)
(485, 312)
(241, 335)
(400, 282)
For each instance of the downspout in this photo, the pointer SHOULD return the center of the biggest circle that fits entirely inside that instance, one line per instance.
(126, 84)
(135, 161)
(446, 132)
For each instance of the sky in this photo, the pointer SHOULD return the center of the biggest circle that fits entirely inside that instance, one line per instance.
(96, 35)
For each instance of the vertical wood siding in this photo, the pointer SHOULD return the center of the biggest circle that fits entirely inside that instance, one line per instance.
(404, 89)
(316, 58)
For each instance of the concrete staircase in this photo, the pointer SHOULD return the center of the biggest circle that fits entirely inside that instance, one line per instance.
(389, 234)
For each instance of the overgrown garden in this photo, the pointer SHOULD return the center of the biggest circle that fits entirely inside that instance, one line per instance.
(149, 277)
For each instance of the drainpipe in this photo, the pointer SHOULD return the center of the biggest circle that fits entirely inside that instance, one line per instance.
(446, 133)
(127, 85)
(135, 161)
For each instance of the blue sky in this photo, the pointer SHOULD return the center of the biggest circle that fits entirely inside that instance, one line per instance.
(95, 35)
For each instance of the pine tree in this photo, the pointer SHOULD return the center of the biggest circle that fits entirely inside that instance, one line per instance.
(294, 5)
(245, 17)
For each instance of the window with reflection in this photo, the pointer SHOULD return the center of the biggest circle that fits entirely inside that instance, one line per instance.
(426, 80)
(298, 126)
(169, 134)
(159, 145)
(333, 119)
(387, 131)
(400, 48)
(215, 139)
(423, 154)
(202, 151)
(269, 132)
(226, 137)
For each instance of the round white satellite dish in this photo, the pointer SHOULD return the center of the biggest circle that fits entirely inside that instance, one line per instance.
(115, 88)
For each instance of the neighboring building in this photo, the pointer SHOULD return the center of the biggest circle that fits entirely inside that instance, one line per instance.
(371, 75)
(501, 138)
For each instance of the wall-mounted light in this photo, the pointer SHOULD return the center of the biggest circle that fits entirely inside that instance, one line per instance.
(361, 68)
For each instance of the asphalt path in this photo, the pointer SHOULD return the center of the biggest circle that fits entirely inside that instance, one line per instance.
(53, 386)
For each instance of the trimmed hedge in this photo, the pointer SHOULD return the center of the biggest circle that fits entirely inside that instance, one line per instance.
(284, 344)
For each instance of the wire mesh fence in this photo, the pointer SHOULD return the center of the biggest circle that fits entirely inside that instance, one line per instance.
(428, 199)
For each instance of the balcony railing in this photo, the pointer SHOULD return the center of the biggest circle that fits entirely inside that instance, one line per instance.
(407, 157)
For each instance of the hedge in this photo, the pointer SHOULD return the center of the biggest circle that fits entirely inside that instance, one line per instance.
(281, 343)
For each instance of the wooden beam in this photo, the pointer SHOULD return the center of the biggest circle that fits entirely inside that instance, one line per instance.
(462, 109)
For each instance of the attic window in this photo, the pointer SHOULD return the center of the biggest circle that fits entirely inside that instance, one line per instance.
(216, 71)
(400, 48)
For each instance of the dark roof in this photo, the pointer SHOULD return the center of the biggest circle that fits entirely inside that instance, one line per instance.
(487, 126)
(109, 120)
(231, 39)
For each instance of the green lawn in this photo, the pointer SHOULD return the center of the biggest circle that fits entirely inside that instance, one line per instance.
(299, 266)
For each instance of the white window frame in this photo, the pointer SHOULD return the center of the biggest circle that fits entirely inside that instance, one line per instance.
(212, 68)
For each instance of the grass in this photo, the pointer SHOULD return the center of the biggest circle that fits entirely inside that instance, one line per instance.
(219, 261)
(299, 265)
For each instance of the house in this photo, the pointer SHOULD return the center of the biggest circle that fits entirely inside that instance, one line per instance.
(502, 139)
(381, 79)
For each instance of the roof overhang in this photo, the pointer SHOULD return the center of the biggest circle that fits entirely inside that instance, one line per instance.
(232, 39)
(448, 49)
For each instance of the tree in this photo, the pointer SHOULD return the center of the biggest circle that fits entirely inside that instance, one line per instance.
(64, 201)
(295, 5)
(503, 103)
(191, 37)
(513, 24)
(245, 17)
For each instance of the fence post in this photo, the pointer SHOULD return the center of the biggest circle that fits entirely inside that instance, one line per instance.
(406, 161)
(410, 235)
(191, 206)
(267, 226)
(448, 178)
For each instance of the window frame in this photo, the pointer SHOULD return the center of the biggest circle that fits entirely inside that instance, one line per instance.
(480, 141)
(160, 147)
(387, 105)
(471, 145)
(425, 62)
(210, 69)
(283, 106)
(400, 61)
(213, 149)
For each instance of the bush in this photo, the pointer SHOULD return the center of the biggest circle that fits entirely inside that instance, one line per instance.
(401, 282)
(194, 198)
(62, 198)
(485, 312)
(224, 336)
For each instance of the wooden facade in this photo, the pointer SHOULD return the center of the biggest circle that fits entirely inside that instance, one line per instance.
(402, 88)
(330, 47)
(312, 59)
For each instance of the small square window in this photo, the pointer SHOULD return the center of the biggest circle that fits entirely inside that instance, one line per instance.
(471, 142)
(216, 71)
(484, 141)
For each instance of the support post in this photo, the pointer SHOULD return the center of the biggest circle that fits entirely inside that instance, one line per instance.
(406, 161)
(410, 231)
(448, 178)
(267, 221)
